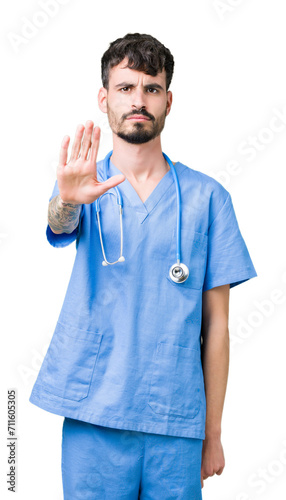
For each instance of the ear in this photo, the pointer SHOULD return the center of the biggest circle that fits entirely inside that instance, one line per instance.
(102, 102)
(169, 101)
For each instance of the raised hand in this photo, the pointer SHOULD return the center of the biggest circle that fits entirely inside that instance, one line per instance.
(77, 179)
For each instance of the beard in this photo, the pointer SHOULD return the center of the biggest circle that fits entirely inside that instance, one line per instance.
(139, 134)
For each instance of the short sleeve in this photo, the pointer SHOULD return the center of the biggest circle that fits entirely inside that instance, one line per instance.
(228, 259)
(63, 239)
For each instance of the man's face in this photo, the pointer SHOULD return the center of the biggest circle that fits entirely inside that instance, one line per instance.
(137, 104)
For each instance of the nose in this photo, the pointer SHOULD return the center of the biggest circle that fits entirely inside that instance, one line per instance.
(138, 99)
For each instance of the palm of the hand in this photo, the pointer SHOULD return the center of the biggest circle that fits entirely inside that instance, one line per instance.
(77, 179)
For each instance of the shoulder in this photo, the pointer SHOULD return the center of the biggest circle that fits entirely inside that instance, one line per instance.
(202, 179)
(208, 188)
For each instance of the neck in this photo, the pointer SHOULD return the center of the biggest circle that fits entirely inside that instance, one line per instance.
(139, 162)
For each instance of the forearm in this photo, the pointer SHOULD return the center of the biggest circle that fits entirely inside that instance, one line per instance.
(215, 362)
(63, 217)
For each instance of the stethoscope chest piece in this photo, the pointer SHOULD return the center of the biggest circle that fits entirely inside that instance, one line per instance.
(179, 273)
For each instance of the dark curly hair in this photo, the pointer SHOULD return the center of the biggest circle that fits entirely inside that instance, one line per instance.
(145, 53)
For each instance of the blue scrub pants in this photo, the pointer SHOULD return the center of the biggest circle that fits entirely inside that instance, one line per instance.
(112, 464)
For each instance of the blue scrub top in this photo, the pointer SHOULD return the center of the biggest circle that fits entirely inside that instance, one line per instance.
(126, 350)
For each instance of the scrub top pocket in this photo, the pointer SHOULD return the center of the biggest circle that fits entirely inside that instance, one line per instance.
(177, 385)
(194, 255)
(69, 362)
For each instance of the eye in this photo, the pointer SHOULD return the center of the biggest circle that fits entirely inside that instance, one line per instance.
(123, 88)
(153, 90)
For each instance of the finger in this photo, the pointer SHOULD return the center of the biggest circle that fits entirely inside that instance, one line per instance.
(77, 142)
(64, 150)
(111, 182)
(94, 145)
(219, 472)
(86, 139)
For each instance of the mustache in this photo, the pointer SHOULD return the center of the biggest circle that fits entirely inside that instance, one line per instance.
(143, 113)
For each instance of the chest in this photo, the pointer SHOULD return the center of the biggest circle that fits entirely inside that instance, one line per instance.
(144, 189)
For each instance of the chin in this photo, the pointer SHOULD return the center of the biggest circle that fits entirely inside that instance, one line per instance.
(135, 138)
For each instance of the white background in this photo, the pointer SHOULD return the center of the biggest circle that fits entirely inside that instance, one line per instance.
(229, 84)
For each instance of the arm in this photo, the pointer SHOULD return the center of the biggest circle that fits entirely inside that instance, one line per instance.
(215, 364)
(63, 217)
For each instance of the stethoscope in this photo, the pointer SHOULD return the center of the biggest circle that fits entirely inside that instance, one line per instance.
(178, 272)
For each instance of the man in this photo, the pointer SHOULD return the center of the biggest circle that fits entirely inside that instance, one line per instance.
(138, 362)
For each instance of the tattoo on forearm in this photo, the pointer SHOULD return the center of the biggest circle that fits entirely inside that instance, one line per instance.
(63, 217)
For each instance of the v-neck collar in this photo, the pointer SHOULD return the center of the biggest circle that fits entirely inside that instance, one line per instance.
(142, 209)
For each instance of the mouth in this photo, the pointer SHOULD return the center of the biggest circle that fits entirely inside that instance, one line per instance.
(139, 118)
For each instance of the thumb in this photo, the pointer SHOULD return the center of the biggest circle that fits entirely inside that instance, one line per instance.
(112, 182)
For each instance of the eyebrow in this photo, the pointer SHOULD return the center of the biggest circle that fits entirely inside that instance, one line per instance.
(151, 85)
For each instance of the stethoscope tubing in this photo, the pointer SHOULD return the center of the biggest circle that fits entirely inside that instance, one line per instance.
(178, 255)
(120, 203)
(178, 272)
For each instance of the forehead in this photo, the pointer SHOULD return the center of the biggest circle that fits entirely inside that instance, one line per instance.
(120, 72)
